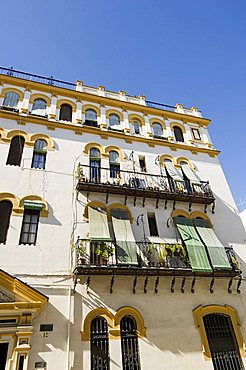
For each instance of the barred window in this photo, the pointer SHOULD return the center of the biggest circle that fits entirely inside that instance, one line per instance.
(15, 151)
(39, 107)
(178, 134)
(66, 113)
(222, 342)
(39, 154)
(129, 343)
(99, 344)
(11, 99)
(5, 213)
(29, 227)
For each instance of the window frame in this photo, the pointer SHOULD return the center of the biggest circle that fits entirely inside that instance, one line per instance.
(154, 128)
(11, 99)
(39, 155)
(180, 132)
(129, 343)
(43, 114)
(5, 219)
(102, 340)
(31, 213)
(66, 105)
(198, 137)
(14, 158)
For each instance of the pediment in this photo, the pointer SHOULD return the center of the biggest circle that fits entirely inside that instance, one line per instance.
(15, 293)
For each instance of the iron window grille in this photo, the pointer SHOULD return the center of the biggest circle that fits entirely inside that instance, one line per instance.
(99, 344)
(29, 227)
(15, 151)
(129, 344)
(222, 342)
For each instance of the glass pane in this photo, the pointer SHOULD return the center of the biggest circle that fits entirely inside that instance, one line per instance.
(39, 107)
(157, 129)
(11, 99)
(40, 144)
(136, 127)
(114, 120)
(94, 153)
(113, 157)
(90, 115)
(66, 112)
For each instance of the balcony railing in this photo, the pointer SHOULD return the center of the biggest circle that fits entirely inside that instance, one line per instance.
(115, 181)
(153, 258)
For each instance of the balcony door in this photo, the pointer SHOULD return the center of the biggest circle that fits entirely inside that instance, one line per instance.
(95, 165)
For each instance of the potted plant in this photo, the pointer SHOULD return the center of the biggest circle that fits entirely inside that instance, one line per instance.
(151, 252)
(104, 250)
(80, 248)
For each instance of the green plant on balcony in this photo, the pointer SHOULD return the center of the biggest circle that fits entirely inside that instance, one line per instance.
(171, 250)
(80, 248)
(104, 250)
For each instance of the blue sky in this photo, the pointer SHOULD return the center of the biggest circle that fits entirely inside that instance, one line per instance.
(192, 52)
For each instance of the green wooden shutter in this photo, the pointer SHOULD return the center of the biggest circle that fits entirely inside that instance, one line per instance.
(189, 173)
(216, 250)
(196, 251)
(98, 221)
(126, 247)
(173, 172)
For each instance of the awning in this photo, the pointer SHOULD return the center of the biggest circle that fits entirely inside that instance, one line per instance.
(98, 221)
(126, 247)
(173, 172)
(29, 204)
(189, 173)
(216, 250)
(196, 251)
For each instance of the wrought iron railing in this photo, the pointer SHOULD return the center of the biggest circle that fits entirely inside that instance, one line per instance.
(114, 177)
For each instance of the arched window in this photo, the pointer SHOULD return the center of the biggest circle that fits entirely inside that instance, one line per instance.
(39, 107)
(95, 165)
(178, 133)
(11, 99)
(114, 120)
(39, 154)
(136, 127)
(65, 113)
(129, 343)
(99, 344)
(91, 117)
(157, 130)
(222, 342)
(15, 151)
(5, 213)
(114, 164)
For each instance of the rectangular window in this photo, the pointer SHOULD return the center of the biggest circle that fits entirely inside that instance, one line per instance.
(196, 134)
(29, 226)
(142, 163)
(152, 224)
(38, 160)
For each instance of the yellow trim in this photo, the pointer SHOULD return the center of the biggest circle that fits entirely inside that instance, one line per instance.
(14, 200)
(183, 159)
(114, 148)
(114, 111)
(2, 133)
(131, 311)
(89, 146)
(94, 203)
(104, 100)
(34, 97)
(12, 89)
(66, 101)
(100, 311)
(13, 133)
(44, 211)
(180, 212)
(122, 206)
(166, 156)
(173, 124)
(91, 106)
(49, 140)
(113, 322)
(112, 134)
(194, 214)
(136, 117)
(157, 120)
(201, 311)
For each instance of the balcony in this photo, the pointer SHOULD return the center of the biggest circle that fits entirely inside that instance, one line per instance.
(142, 184)
(90, 123)
(154, 259)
